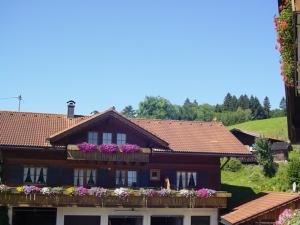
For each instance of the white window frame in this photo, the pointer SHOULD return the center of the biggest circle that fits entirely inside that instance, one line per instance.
(121, 138)
(106, 138)
(93, 137)
(131, 177)
(84, 175)
(186, 175)
(34, 174)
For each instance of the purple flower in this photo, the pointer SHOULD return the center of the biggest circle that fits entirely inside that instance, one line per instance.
(101, 192)
(151, 193)
(205, 193)
(164, 192)
(81, 191)
(86, 147)
(109, 148)
(31, 189)
(129, 148)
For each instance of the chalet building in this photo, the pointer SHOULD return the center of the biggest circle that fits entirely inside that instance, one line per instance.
(280, 149)
(111, 170)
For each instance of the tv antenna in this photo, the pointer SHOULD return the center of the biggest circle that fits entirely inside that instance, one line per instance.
(19, 97)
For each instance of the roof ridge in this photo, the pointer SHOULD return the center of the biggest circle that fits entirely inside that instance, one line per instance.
(41, 113)
(172, 120)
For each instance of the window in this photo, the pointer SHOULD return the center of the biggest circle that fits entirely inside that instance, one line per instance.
(155, 174)
(131, 178)
(126, 178)
(36, 175)
(93, 137)
(85, 177)
(200, 220)
(107, 138)
(186, 179)
(121, 139)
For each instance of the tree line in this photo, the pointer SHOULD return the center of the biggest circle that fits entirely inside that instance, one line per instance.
(233, 110)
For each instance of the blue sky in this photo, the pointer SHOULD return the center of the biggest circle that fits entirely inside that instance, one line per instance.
(113, 53)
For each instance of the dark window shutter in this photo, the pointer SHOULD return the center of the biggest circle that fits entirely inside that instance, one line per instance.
(67, 176)
(143, 178)
(203, 179)
(103, 178)
(14, 174)
(171, 174)
(54, 176)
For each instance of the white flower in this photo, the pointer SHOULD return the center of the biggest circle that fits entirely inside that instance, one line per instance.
(121, 192)
(45, 191)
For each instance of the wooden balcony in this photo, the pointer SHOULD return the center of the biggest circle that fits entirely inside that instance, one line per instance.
(75, 154)
(219, 200)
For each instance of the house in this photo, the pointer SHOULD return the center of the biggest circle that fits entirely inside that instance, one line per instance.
(280, 149)
(292, 91)
(109, 169)
(264, 209)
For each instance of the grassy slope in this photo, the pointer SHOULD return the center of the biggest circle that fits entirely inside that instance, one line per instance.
(250, 179)
(274, 127)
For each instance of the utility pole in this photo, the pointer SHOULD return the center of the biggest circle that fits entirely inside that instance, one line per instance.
(19, 98)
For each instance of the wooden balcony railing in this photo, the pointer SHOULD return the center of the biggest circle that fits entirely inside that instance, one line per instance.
(219, 200)
(75, 154)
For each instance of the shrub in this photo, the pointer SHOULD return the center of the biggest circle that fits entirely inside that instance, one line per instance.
(264, 156)
(233, 165)
(293, 171)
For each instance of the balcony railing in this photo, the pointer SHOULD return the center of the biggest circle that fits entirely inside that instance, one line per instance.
(134, 200)
(75, 154)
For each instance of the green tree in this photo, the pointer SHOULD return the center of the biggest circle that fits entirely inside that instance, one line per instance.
(157, 107)
(267, 107)
(264, 156)
(129, 111)
(293, 171)
(234, 103)
(257, 111)
(243, 102)
(205, 112)
(188, 110)
(282, 104)
(228, 104)
(218, 108)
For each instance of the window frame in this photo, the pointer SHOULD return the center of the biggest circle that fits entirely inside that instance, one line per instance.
(35, 172)
(93, 137)
(125, 178)
(155, 178)
(106, 136)
(84, 176)
(185, 178)
(121, 138)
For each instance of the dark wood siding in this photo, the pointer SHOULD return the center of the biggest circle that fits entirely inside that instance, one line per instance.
(13, 174)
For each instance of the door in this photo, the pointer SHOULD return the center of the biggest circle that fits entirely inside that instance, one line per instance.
(125, 220)
(166, 220)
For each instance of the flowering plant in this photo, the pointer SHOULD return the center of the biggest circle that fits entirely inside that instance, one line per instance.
(129, 148)
(31, 189)
(100, 192)
(164, 192)
(285, 41)
(3, 188)
(109, 148)
(80, 191)
(86, 147)
(205, 193)
(57, 190)
(288, 217)
(70, 191)
(187, 193)
(19, 189)
(46, 191)
(122, 193)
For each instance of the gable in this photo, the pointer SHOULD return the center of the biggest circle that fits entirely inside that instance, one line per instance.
(108, 122)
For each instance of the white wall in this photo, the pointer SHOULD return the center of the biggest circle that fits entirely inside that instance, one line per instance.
(145, 212)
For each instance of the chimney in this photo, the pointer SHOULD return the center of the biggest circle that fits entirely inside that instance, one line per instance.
(71, 107)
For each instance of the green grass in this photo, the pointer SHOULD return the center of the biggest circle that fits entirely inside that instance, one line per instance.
(250, 180)
(274, 127)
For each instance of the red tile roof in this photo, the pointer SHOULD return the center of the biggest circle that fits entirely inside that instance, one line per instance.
(255, 208)
(33, 129)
